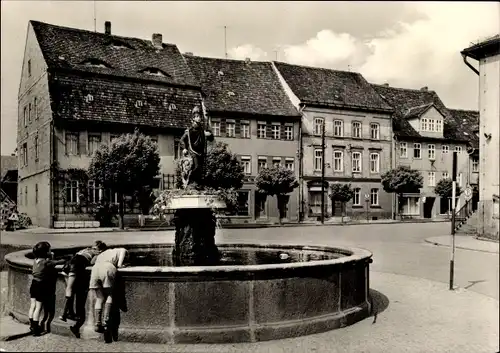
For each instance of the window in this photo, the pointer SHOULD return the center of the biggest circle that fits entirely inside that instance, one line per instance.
(423, 124)
(374, 197)
(230, 129)
(89, 98)
(25, 116)
(288, 132)
(72, 191)
(374, 163)
(356, 199)
(245, 130)
(276, 161)
(246, 161)
(432, 125)
(356, 129)
(445, 149)
(318, 126)
(411, 206)
(261, 130)
(30, 112)
(94, 143)
(416, 150)
(25, 154)
(459, 179)
(338, 128)
(475, 165)
(242, 206)
(72, 143)
(318, 159)
(139, 104)
(446, 175)
(289, 163)
(113, 137)
(356, 162)
(262, 163)
(36, 147)
(439, 125)
(403, 150)
(35, 104)
(315, 202)
(216, 128)
(95, 191)
(338, 161)
(375, 131)
(276, 131)
(432, 178)
(431, 149)
(36, 193)
(458, 149)
(29, 67)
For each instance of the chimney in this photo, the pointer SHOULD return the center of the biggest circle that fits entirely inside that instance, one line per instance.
(188, 53)
(157, 40)
(107, 27)
(386, 85)
(247, 60)
(424, 89)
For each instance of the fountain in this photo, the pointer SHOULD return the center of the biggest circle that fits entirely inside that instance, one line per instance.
(195, 292)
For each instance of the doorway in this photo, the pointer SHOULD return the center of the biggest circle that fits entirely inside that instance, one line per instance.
(428, 205)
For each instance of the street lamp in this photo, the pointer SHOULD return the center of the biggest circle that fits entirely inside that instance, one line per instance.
(367, 199)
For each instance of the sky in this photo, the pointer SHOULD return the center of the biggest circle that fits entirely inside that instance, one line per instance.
(405, 44)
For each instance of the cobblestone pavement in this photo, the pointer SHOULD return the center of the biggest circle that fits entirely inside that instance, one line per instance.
(422, 315)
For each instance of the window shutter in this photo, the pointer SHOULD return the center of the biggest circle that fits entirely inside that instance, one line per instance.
(223, 127)
(282, 131)
(269, 130)
(237, 128)
(82, 146)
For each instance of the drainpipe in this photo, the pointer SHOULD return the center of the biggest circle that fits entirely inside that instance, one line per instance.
(51, 175)
(469, 65)
(301, 179)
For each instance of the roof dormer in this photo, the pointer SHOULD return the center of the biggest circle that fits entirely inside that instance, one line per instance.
(94, 62)
(154, 71)
(426, 119)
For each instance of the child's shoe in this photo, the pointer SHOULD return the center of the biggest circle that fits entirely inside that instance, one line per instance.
(75, 331)
(36, 329)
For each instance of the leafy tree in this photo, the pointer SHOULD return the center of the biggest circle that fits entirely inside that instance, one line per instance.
(342, 193)
(444, 188)
(402, 180)
(277, 181)
(126, 167)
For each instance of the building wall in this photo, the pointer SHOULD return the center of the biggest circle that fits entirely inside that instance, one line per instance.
(489, 123)
(35, 174)
(347, 144)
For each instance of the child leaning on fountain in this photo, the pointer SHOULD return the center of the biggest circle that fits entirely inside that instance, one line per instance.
(42, 289)
(102, 282)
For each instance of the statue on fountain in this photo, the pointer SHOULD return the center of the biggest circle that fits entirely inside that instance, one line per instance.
(195, 223)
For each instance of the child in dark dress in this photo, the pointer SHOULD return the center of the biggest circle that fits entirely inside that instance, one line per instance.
(42, 289)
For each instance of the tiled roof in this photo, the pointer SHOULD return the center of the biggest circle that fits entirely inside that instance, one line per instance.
(417, 112)
(407, 101)
(487, 47)
(7, 163)
(467, 122)
(72, 48)
(331, 87)
(118, 103)
(240, 86)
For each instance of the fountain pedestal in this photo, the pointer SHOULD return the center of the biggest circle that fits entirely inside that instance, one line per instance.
(195, 225)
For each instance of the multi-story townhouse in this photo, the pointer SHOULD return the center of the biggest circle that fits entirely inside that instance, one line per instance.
(80, 89)
(425, 135)
(358, 138)
(250, 111)
(487, 53)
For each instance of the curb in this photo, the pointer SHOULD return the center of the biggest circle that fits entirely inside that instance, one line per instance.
(460, 247)
(14, 336)
(487, 239)
(229, 226)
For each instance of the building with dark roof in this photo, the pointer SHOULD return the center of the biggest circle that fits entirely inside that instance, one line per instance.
(250, 111)
(425, 135)
(487, 53)
(8, 177)
(358, 138)
(79, 89)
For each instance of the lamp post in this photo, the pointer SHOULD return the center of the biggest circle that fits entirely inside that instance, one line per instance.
(367, 199)
(453, 210)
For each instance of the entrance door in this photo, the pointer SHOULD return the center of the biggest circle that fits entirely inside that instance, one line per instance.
(429, 203)
(336, 208)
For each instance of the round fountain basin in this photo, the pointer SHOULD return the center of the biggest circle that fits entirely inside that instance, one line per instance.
(256, 293)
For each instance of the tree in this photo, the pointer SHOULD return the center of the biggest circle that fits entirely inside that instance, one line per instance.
(126, 167)
(444, 189)
(342, 193)
(402, 180)
(277, 181)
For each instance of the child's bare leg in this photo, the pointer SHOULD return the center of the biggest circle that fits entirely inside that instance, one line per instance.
(69, 311)
(36, 317)
(31, 311)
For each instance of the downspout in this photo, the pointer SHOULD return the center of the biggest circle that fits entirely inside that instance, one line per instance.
(393, 166)
(301, 179)
(51, 174)
(464, 56)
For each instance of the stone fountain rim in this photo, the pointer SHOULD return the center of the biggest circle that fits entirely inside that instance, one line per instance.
(353, 255)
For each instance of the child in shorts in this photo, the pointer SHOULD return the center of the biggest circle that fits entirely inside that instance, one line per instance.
(75, 271)
(42, 289)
